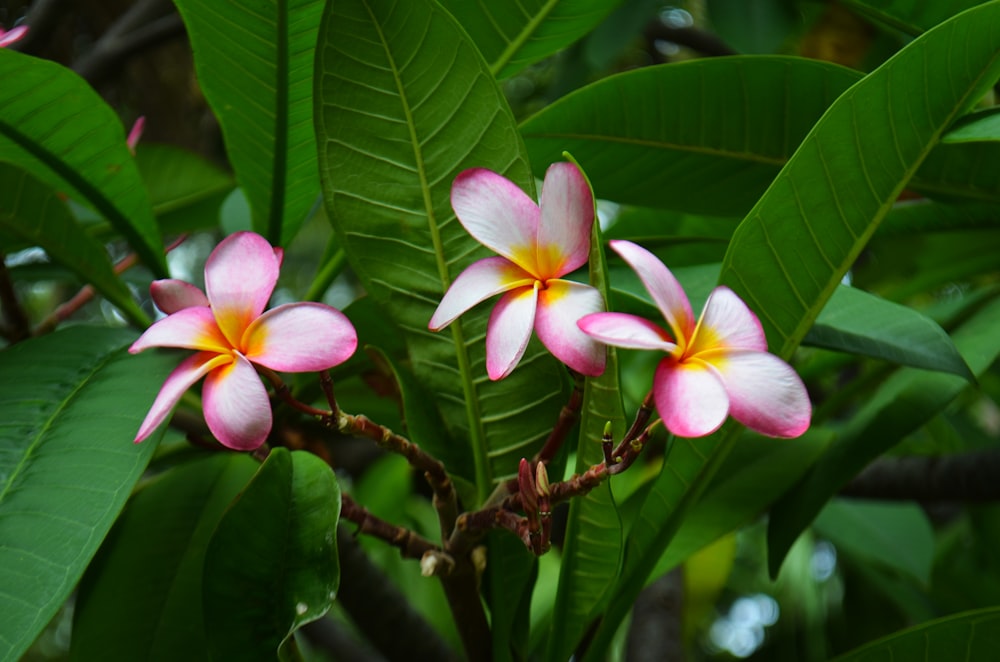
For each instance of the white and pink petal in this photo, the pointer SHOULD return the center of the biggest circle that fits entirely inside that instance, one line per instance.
(240, 276)
(727, 324)
(497, 214)
(567, 218)
(479, 281)
(237, 409)
(667, 293)
(765, 393)
(690, 398)
(625, 330)
(509, 330)
(560, 306)
(180, 380)
(188, 328)
(300, 337)
(171, 295)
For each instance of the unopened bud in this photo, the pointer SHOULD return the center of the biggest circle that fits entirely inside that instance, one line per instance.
(526, 484)
(428, 564)
(542, 479)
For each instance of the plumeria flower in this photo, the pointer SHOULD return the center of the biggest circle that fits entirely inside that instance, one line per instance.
(716, 367)
(8, 37)
(537, 245)
(231, 333)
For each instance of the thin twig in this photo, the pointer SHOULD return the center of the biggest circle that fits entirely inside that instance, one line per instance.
(409, 544)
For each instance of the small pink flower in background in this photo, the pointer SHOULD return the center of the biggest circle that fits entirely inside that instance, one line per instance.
(135, 133)
(537, 245)
(8, 37)
(716, 367)
(232, 333)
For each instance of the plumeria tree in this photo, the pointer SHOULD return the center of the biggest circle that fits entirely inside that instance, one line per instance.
(410, 366)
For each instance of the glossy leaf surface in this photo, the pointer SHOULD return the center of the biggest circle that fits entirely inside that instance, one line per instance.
(271, 565)
(405, 103)
(67, 463)
(57, 127)
(975, 633)
(255, 64)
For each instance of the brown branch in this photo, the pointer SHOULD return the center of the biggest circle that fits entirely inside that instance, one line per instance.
(409, 544)
(694, 38)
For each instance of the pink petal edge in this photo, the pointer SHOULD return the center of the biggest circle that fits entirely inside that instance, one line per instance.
(497, 214)
(237, 409)
(240, 276)
(560, 305)
(765, 393)
(171, 295)
(625, 330)
(567, 219)
(726, 324)
(509, 330)
(188, 328)
(180, 380)
(690, 398)
(480, 281)
(300, 337)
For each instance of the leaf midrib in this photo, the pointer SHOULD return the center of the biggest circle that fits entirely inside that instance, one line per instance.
(522, 38)
(484, 478)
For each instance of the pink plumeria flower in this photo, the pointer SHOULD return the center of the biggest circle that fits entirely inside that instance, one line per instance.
(716, 367)
(537, 245)
(8, 37)
(232, 333)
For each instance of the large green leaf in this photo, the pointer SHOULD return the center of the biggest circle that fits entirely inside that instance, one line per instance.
(512, 35)
(861, 323)
(70, 404)
(32, 213)
(791, 251)
(975, 635)
(255, 64)
(709, 136)
(704, 136)
(405, 103)
(975, 127)
(910, 16)
(905, 402)
(54, 125)
(186, 190)
(141, 599)
(591, 554)
(272, 566)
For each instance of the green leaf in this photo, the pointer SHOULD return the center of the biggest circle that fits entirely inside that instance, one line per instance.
(861, 323)
(272, 565)
(791, 251)
(975, 127)
(919, 216)
(53, 124)
(70, 405)
(255, 65)
(31, 213)
(513, 35)
(904, 403)
(704, 136)
(753, 476)
(141, 599)
(186, 190)
(895, 535)
(592, 551)
(910, 16)
(404, 98)
(975, 633)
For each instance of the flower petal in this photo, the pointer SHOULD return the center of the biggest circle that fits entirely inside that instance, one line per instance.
(509, 331)
(624, 330)
(240, 275)
(479, 281)
(667, 293)
(180, 380)
(171, 295)
(188, 328)
(236, 405)
(498, 214)
(560, 305)
(765, 393)
(14, 34)
(300, 337)
(567, 217)
(727, 323)
(690, 398)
